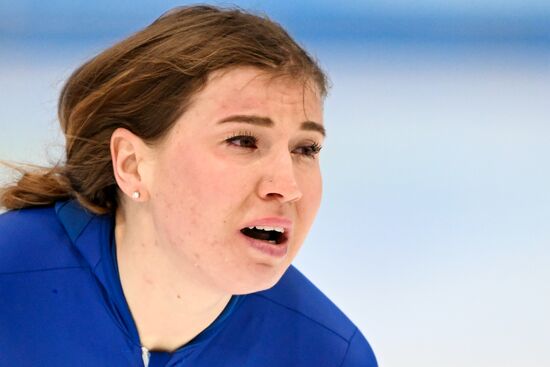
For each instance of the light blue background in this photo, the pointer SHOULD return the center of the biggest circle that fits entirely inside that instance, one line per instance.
(434, 232)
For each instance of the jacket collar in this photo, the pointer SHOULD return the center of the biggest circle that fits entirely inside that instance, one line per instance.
(92, 235)
(85, 229)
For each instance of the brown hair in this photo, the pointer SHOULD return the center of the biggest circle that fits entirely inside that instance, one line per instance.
(143, 84)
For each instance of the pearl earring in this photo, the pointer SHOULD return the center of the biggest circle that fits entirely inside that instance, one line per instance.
(136, 195)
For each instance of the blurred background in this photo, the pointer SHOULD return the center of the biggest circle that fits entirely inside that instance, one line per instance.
(434, 233)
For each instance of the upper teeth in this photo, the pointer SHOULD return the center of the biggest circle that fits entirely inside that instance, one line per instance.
(266, 228)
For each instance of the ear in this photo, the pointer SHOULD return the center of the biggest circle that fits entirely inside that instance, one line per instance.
(127, 153)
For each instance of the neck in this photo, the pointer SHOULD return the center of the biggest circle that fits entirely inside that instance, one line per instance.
(169, 306)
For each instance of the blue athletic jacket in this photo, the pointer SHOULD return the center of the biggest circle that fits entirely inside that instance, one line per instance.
(61, 304)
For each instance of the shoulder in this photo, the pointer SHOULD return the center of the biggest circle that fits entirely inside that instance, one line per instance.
(301, 311)
(298, 294)
(33, 239)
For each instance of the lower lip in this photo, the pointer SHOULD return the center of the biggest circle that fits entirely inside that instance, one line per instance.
(267, 248)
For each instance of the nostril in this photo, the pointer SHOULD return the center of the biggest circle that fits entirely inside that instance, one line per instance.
(283, 188)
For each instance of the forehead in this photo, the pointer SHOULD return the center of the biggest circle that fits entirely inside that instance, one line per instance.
(251, 88)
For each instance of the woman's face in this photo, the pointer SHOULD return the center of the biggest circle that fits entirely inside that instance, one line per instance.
(243, 156)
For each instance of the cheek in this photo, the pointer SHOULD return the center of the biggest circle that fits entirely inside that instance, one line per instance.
(198, 191)
(177, 194)
(312, 190)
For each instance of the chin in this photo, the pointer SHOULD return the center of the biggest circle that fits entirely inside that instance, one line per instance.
(258, 281)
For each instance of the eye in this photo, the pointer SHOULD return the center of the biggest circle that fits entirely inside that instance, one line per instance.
(309, 151)
(244, 140)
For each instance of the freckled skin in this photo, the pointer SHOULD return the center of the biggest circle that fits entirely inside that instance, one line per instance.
(204, 190)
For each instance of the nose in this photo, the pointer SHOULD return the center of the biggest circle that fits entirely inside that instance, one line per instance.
(278, 181)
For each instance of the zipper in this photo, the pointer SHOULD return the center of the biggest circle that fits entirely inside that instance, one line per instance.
(145, 355)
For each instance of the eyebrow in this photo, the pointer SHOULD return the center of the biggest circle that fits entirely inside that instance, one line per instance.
(267, 122)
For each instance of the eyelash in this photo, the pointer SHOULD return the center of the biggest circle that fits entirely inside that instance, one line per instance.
(313, 149)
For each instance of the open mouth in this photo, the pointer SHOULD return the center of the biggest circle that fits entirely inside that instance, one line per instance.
(273, 235)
